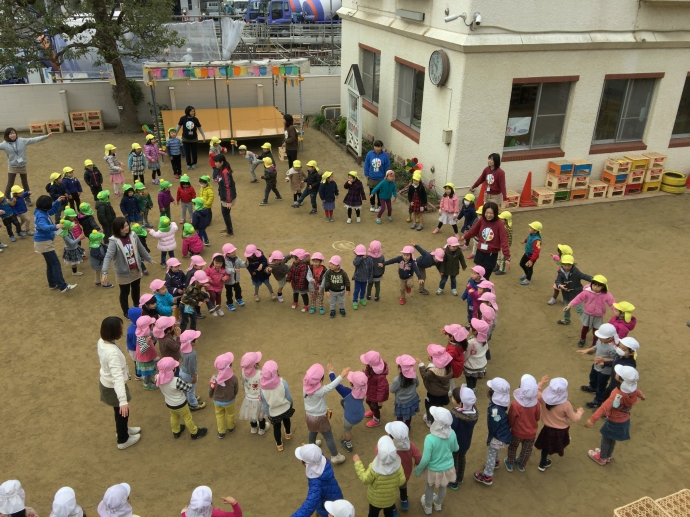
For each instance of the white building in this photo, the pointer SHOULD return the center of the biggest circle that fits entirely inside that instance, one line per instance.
(580, 80)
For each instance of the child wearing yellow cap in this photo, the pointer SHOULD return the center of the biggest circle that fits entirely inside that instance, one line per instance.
(594, 298)
(623, 319)
(214, 149)
(416, 195)
(153, 154)
(136, 163)
(175, 150)
(355, 195)
(568, 281)
(93, 178)
(532, 248)
(253, 160)
(72, 187)
(114, 168)
(563, 249)
(507, 219)
(270, 176)
(295, 176)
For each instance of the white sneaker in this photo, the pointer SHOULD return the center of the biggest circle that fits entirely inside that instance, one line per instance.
(372, 209)
(454, 292)
(428, 424)
(437, 507)
(131, 441)
(220, 312)
(318, 442)
(214, 314)
(77, 273)
(254, 430)
(337, 459)
(133, 430)
(68, 288)
(263, 431)
(349, 220)
(551, 301)
(359, 220)
(427, 509)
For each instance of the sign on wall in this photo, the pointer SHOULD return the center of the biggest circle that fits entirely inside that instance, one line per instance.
(355, 90)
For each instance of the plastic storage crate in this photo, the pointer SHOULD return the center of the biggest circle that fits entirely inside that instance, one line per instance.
(676, 505)
(645, 507)
(597, 189)
(617, 166)
(542, 196)
(560, 168)
(582, 168)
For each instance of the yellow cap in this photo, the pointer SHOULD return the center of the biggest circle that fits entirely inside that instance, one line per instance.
(449, 184)
(567, 259)
(135, 146)
(626, 308)
(215, 140)
(600, 279)
(16, 190)
(352, 173)
(149, 137)
(296, 163)
(506, 216)
(2, 195)
(55, 175)
(417, 176)
(469, 197)
(325, 176)
(109, 147)
(536, 226)
(312, 163)
(268, 161)
(242, 148)
(479, 210)
(88, 162)
(266, 146)
(67, 169)
(564, 249)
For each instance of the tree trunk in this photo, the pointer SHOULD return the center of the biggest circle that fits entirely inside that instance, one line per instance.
(129, 120)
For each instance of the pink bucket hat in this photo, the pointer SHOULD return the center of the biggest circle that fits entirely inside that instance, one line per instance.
(486, 284)
(336, 260)
(228, 248)
(374, 249)
(269, 375)
(222, 364)
(251, 251)
(144, 325)
(145, 298)
(200, 277)
(186, 339)
(248, 363)
(373, 358)
(408, 249)
(407, 364)
(196, 260)
(172, 262)
(312, 380)
(360, 250)
(317, 256)
(303, 255)
(439, 357)
(457, 332)
(479, 270)
(277, 255)
(491, 298)
(166, 370)
(359, 384)
(157, 284)
(453, 241)
(482, 328)
(162, 324)
(439, 253)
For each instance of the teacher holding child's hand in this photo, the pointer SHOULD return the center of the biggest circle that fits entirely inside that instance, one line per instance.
(189, 125)
(492, 236)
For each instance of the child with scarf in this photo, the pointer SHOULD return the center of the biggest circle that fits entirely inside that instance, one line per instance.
(185, 195)
(105, 213)
(507, 219)
(257, 266)
(201, 218)
(568, 281)
(232, 264)
(72, 187)
(201, 505)
(407, 266)
(408, 453)
(450, 267)
(72, 254)
(191, 242)
(436, 377)
(93, 178)
(499, 430)
(416, 195)
(476, 276)
(165, 198)
(217, 278)
(297, 276)
(364, 273)
(426, 260)
(252, 408)
(437, 467)
(223, 389)
(354, 197)
(404, 388)
(146, 353)
(475, 355)
(623, 319)
(328, 192)
(174, 390)
(456, 348)
(270, 176)
(323, 487)
(144, 201)
(465, 418)
(136, 162)
(523, 419)
(384, 476)
(376, 370)
(164, 300)
(152, 156)
(594, 297)
(336, 285)
(314, 276)
(352, 402)
(532, 248)
(166, 238)
(295, 177)
(556, 415)
(617, 410)
(206, 193)
(276, 401)
(379, 260)
(97, 252)
(604, 354)
(189, 367)
(563, 249)
(316, 409)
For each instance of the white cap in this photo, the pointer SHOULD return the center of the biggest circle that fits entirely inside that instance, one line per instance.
(501, 389)
(65, 504)
(607, 331)
(556, 392)
(630, 377)
(11, 497)
(631, 343)
(340, 508)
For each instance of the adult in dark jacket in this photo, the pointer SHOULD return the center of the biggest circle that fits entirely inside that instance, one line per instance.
(226, 191)
(569, 280)
(322, 483)
(93, 178)
(313, 182)
(44, 237)
(291, 142)
(105, 213)
(190, 125)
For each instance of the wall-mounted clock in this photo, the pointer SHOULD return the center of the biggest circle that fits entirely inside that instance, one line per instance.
(439, 66)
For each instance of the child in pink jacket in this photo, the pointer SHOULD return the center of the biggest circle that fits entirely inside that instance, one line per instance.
(216, 279)
(152, 155)
(594, 298)
(449, 209)
(376, 371)
(166, 238)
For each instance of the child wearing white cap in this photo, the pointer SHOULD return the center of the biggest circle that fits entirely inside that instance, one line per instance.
(617, 410)
(408, 452)
(383, 476)
(523, 418)
(626, 355)
(339, 508)
(605, 353)
(465, 417)
(499, 429)
(201, 505)
(65, 504)
(323, 486)
(12, 500)
(115, 502)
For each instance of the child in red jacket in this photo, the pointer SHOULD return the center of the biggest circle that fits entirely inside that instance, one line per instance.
(523, 418)
(191, 242)
(216, 280)
(185, 194)
(456, 347)
(376, 370)
(407, 451)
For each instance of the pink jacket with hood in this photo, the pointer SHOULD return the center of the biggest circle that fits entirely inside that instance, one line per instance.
(166, 240)
(450, 204)
(593, 303)
(215, 276)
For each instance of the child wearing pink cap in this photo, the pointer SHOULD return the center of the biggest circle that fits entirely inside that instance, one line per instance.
(297, 276)
(476, 276)
(146, 351)
(252, 408)
(194, 296)
(174, 390)
(149, 305)
(257, 266)
(364, 273)
(379, 260)
(276, 401)
(336, 284)
(376, 370)
(316, 409)
(456, 347)
(277, 266)
(164, 300)
(436, 377)
(216, 278)
(448, 209)
(404, 388)
(352, 402)
(407, 266)
(232, 285)
(168, 333)
(475, 355)
(450, 267)
(174, 278)
(427, 260)
(196, 263)
(314, 276)
(189, 367)
(487, 312)
(223, 389)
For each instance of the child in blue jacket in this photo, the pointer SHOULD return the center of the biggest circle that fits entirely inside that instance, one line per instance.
(376, 164)
(387, 192)
(499, 429)
(18, 203)
(476, 276)
(72, 187)
(322, 483)
(468, 211)
(328, 192)
(352, 402)
(9, 218)
(129, 205)
(164, 300)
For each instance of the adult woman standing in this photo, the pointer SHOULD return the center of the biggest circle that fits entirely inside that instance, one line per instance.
(189, 125)
(15, 148)
(113, 382)
(126, 251)
(44, 240)
(291, 142)
(495, 179)
(492, 237)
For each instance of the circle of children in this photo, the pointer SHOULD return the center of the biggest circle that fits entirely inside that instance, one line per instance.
(174, 304)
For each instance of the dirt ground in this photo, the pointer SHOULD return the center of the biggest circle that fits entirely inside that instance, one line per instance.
(56, 431)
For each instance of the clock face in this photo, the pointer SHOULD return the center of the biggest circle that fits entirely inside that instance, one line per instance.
(438, 67)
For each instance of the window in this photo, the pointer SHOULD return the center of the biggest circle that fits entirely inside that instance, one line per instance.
(623, 110)
(681, 129)
(536, 115)
(371, 75)
(410, 96)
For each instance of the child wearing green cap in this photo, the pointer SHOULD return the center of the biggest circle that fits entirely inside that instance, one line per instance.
(97, 252)
(105, 213)
(201, 218)
(144, 201)
(185, 194)
(129, 205)
(86, 220)
(73, 254)
(191, 242)
(165, 198)
(166, 238)
(206, 193)
(141, 232)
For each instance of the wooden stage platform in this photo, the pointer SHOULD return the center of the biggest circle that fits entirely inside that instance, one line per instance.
(258, 122)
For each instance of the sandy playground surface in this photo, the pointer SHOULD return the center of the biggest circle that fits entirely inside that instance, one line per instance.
(56, 432)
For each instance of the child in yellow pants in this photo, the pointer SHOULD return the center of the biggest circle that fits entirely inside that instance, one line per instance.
(223, 389)
(174, 390)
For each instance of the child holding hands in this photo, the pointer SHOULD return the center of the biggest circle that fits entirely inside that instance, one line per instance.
(384, 476)
(523, 419)
(499, 430)
(352, 402)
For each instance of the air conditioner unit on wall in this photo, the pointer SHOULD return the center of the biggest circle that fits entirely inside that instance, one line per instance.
(331, 112)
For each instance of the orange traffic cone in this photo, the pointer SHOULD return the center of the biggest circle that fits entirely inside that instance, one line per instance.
(480, 200)
(526, 195)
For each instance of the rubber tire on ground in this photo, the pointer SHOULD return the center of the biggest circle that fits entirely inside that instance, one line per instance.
(674, 179)
(671, 189)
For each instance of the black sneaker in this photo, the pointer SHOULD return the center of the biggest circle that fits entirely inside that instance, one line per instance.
(499, 272)
(177, 435)
(231, 430)
(368, 297)
(563, 322)
(332, 314)
(592, 405)
(201, 432)
(200, 316)
(342, 312)
(581, 343)
(587, 389)
(346, 445)
(453, 486)
(376, 298)
(543, 466)
(221, 436)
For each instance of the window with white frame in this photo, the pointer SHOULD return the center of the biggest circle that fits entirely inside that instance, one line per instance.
(681, 128)
(410, 96)
(623, 110)
(371, 75)
(536, 115)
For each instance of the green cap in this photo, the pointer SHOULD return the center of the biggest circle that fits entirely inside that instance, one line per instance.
(164, 184)
(66, 226)
(95, 239)
(85, 209)
(198, 203)
(104, 195)
(139, 186)
(164, 224)
(185, 179)
(69, 212)
(205, 179)
(139, 230)
(126, 187)
(187, 230)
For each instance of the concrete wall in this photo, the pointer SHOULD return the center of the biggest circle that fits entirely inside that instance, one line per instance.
(22, 104)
